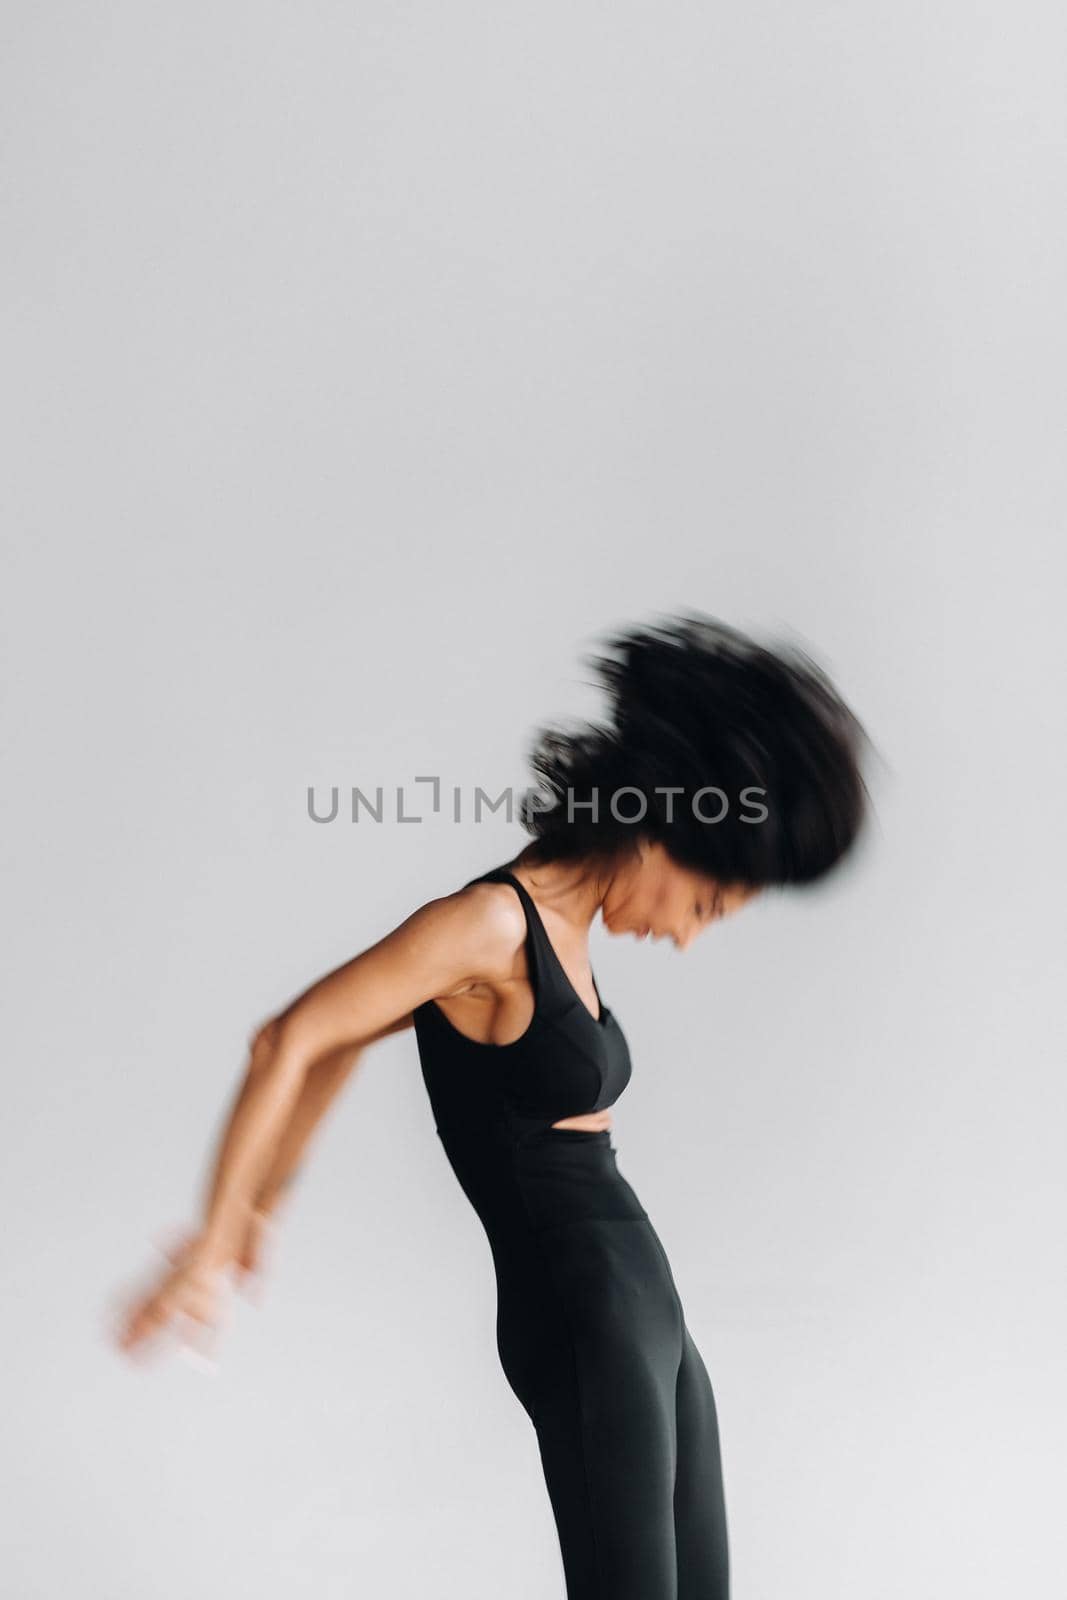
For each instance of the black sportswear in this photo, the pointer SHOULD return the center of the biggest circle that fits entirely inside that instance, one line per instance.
(590, 1328)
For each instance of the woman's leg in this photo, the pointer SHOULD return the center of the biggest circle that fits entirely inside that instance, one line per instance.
(699, 1508)
(611, 1488)
(607, 1415)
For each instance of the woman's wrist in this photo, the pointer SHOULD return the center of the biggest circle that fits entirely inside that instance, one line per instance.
(218, 1242)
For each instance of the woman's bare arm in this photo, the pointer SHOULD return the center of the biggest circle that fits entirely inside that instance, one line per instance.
(323, 1082)
(442, 947)
(437, 948)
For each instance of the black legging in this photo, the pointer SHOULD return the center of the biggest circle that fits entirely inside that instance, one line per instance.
(592, 1337)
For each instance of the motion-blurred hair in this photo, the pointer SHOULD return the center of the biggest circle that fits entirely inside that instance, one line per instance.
(694, 703)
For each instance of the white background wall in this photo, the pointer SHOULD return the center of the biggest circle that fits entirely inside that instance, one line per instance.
(362, 364)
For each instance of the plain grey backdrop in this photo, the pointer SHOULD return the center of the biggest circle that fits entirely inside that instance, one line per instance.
(362, 364)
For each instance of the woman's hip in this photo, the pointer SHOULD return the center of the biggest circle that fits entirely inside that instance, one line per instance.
(592, 1295)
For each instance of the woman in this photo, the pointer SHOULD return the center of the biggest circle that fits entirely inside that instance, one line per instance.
(726, 767)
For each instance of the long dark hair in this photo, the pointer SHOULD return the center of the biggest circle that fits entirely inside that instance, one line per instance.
(697, 703)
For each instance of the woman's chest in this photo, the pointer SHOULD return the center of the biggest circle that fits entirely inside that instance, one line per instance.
(570, 1064)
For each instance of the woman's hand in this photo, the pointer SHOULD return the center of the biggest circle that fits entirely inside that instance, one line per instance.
(187, 1300)
(189, 1297)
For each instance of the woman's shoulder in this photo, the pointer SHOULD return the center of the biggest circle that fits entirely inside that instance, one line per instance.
(485, 915)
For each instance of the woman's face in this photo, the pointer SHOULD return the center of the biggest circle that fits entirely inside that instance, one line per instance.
(651, 896)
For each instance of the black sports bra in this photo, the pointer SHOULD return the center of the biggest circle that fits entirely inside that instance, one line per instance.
(566, 1064)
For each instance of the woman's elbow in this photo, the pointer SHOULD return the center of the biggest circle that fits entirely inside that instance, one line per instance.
(281, 1047)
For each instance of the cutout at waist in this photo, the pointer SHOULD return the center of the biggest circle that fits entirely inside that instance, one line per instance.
(588, 1122)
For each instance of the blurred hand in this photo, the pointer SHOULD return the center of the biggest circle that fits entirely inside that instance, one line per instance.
(188, 1300)
(185, 1300)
